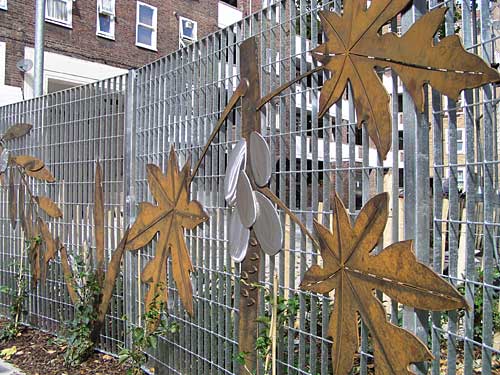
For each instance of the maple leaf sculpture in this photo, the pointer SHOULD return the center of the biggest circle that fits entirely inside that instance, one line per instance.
(354, 273)
(173, 213)
(355, 47)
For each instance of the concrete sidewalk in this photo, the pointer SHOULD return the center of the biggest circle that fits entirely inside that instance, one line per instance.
(8, 369)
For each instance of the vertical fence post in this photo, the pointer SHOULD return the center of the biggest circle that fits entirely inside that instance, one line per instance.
(249, 302)
(129, 162)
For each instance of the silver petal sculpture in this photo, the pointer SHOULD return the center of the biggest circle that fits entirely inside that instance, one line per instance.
(245, 200)
(4, 160)
(238, 237)
(236, 163)
(260, 159)
(252, 209)
(267, 227)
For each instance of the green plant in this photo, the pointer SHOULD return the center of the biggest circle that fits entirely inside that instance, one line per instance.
(145, 337)
(17, 295)
(79, 330)
(279, 312)
(478, 304)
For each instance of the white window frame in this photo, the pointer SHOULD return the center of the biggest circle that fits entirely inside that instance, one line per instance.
(181, 37)
(111, 15)
(461, 140)
(154, 27)
(69, 23)
(3, 4)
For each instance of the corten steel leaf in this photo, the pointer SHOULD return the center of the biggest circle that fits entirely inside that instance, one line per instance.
(50, 246)
(173, 213)
(16, 131)
(106, 280)
(49, 206)
(354, 272)
(355, 47)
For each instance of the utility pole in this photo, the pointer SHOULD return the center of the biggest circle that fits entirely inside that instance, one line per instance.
(39, 47)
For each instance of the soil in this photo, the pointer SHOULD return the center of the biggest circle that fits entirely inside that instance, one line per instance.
(38, 354)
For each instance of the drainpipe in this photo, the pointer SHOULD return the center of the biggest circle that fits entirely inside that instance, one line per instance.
(39, 47)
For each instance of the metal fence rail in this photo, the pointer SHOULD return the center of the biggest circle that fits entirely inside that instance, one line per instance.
(442, 176)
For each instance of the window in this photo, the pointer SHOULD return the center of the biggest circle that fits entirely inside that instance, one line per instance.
(55, 85)
(188, 31)
(106, 18)
(460, 141)
(146, 26)
(234, 3)
(3, 4)
(460, 179)
(59, 12)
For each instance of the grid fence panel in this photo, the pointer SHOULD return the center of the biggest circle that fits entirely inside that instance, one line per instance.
(441, 175)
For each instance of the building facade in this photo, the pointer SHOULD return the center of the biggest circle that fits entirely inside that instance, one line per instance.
(91, 40)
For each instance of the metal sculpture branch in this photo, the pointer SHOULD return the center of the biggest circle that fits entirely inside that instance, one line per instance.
(25, 206)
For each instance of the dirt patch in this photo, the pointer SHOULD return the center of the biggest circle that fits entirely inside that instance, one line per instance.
(37, 354)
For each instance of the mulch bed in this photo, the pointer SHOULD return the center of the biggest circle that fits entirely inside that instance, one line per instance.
(37, 354)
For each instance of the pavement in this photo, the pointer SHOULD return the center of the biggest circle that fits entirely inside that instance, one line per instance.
(8, 369)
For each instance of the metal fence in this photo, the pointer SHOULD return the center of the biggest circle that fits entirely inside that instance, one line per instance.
(442, 176)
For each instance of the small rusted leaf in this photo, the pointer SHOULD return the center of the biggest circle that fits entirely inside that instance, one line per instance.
(42, 174)
(50, 247)
(49, 207)
(16, 131)
(28, 162)
(48, 239)
(12, 200)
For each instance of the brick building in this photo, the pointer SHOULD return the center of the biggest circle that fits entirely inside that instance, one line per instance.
(88, 40)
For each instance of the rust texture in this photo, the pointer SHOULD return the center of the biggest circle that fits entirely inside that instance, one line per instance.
(250, 119)
(355, 272)
(106, 280)
(41, 242)
(355, 48)
(173, 213)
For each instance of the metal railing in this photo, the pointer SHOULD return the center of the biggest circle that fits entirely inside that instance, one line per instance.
(443, 189)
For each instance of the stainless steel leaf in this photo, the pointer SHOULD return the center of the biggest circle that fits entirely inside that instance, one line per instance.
(260, 159)
(267, 227)
(236, 162)
(4, 160)
(245, 200)
(238, 237)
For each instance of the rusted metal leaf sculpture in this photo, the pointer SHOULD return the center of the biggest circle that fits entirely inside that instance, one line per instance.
(354, 272)
(49, 207)
(16, 131)
(355, 48)
(106, 280)
(42, 246)
(173, 213)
